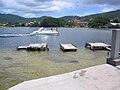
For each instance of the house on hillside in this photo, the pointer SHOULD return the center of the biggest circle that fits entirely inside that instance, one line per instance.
(114, 25)
(80, 22)
(76, 21)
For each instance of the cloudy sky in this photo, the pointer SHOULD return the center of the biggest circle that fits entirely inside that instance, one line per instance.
(57, 8)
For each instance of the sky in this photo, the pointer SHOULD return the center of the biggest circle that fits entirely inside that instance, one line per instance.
(57, 8)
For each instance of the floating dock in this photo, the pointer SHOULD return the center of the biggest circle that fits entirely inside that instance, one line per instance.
(68, 47)
(97, 46)
(34, 47)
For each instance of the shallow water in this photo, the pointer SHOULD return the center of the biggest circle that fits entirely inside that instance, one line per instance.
(18, 66)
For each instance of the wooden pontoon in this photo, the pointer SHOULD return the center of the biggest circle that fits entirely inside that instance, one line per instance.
(97, 46)
(34, 47)
(68, 47)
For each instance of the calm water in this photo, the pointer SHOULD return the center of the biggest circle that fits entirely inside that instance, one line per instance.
(18, 66)
(77, 36)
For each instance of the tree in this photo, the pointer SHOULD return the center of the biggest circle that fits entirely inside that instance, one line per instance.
(98, 22)
(116, 20)
(70, 24)
(52, 22)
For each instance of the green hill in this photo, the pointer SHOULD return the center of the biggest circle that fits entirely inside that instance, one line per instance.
(110, 15)
(38, 19)
(52, 22)
(69, 18)
(5, 18)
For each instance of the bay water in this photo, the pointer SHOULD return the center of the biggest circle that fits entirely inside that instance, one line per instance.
(18, 66)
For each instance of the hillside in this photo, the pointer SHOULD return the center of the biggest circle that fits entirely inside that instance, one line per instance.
(110, 15)
(38, 19)
(5, 18)
(69, 18)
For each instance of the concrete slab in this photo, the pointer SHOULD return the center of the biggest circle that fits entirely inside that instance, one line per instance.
(118, 66)
(68, 47)
(115, 62)
(99, 44)
(101, 77)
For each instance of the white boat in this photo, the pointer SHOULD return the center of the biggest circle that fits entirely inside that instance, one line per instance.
(45, 31)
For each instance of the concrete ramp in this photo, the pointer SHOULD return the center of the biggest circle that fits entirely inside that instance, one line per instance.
(101, 77)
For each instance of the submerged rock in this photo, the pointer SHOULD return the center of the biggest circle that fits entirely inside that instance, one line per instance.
(73, 61)
(8, 58)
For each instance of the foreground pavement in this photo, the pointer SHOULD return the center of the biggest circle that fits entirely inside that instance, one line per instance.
(101, 77)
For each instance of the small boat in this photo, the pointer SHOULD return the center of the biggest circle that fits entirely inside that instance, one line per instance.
(45, 32)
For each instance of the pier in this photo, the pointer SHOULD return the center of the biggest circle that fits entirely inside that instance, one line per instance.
(115, 49)
(97, 46)
(68, 47)
(34, 47)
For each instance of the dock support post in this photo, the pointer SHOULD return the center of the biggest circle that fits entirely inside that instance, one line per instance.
(115, 47)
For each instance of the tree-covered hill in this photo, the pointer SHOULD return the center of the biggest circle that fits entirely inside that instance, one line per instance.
(5, 18)
(70, 18)
(40, 19)
(10, 18)
(52, 22)
(110, 15)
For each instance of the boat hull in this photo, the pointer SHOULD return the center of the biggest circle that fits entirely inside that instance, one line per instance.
(45, 32)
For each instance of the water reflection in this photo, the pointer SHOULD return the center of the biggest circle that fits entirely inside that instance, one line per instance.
(44, 39)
